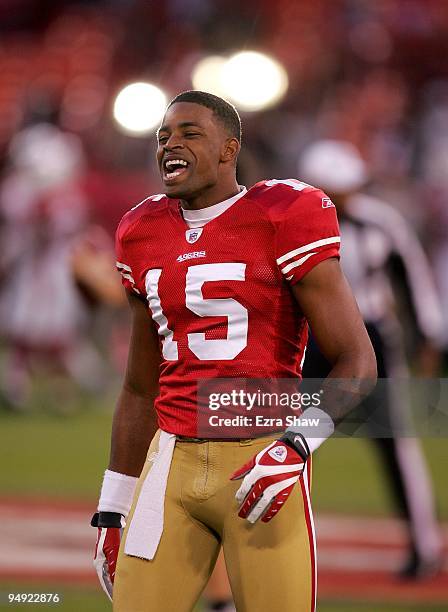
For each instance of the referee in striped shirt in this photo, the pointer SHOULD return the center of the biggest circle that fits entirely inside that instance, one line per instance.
(384, 261)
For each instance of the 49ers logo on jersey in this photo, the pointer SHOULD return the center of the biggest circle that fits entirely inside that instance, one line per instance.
(278, 453)
(193, 255)
(192, 235)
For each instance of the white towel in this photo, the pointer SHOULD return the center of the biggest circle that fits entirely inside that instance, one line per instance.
(146, 526)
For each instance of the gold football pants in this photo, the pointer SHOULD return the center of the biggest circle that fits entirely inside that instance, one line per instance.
(271, 566)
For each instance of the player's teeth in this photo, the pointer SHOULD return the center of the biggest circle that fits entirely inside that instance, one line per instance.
(177, 162)
(172, 174)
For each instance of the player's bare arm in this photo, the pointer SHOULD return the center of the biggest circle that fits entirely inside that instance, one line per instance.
(134, 426)
(135, 421)
(327, 302)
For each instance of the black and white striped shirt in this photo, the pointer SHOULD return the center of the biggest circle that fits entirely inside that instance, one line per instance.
(381, 251)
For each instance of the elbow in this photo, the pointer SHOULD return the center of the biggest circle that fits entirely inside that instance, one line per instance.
(367, 368)
(359, 364)
(373, 366)
(371, 370)
(139, 391)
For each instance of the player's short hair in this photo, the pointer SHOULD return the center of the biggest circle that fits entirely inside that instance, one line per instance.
(223, 110)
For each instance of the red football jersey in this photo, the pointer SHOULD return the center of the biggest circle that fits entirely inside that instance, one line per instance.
(220, 295)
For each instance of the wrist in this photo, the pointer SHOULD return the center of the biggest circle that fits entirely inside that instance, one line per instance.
(298, 442)
(317, 427)
(117, 493)
(107, 520)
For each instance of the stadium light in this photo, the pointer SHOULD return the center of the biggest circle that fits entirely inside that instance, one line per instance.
(207, 75)
(253, 81)
(139, 107)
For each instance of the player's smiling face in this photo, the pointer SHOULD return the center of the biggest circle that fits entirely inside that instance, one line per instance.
(190, 144)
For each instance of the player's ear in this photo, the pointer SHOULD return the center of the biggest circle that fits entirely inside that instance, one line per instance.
(230, 150)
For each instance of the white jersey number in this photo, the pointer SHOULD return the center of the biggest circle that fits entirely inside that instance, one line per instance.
(236, 313)
(169, 346)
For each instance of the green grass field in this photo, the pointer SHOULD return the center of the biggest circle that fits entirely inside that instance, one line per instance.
(63, 456)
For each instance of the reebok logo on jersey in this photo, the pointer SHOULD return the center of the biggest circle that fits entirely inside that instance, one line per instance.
(278, 453)
(193, 255)
(192, 235)
(327, 203)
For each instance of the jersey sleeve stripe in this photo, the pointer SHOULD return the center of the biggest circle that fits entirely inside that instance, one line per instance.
(122, 266)
(297, 263)
(308, 247)
(126, 274)
(129, 277)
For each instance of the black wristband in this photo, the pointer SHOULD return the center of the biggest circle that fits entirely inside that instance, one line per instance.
(106, 519)
(297, 442)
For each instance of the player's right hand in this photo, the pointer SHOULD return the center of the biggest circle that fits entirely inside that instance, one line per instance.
(110, 528)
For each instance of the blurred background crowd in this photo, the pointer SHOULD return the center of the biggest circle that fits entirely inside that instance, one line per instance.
(371, 73)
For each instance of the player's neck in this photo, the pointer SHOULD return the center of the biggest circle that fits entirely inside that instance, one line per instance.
(214, 195)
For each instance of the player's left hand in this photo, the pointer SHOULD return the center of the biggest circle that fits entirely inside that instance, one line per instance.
(110, 528)
(270, 476)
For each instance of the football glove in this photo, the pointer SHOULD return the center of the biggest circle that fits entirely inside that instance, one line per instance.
(110, 528)
(270, 476)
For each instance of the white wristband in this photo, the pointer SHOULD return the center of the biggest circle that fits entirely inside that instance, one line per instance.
(316, 427)
(117, 492)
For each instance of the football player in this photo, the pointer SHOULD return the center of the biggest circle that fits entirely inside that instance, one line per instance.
(222, 282)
